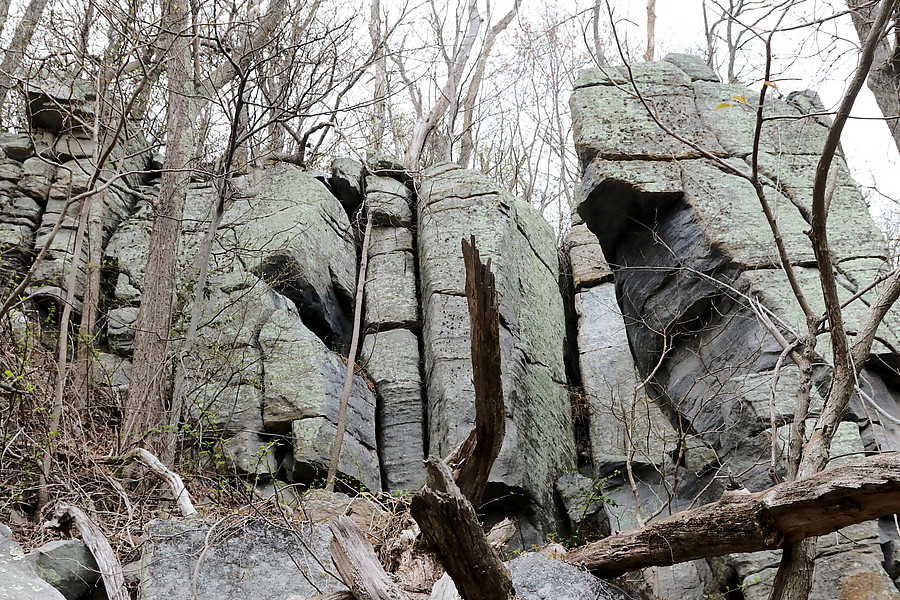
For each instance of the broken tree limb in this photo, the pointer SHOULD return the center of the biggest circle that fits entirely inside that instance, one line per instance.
(356, 562)
(93, 538)
(473, 459)
(451, 528)
(149, 460)
(767, 520)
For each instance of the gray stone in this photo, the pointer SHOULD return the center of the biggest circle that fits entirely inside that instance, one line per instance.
(302, 382)
(453, 204)
(729, 111)
(383, 165)
(389, 240)
(719, 200)
(622, 418)
(67, 565)
(347, 182)
(589, 266)
(536, 577)
(693, 66)
(848, 567)
(256, 561)
(37, 176)
(613, 124)
(654, 73)
(17, 146)
(55, 105)
(10, 170)
(313, 438)
(251, 455)
(391, 358)
(112, 370)
(291, 232)
(68, 147)
(391, 297)
(127, 251)
(18, 578)
(389, 201)
(685, 581)
(120, 326)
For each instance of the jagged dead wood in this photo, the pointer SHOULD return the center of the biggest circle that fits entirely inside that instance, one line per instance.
(767, 520)
(451, 528)
(356, 562)
(110, 567)
(472, 460)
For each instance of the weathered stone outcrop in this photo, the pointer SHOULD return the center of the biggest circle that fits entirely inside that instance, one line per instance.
(693, 260)
(200, 560)
(453, 204)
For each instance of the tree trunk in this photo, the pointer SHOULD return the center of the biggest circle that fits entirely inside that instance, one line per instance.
(380, 89)
(15, 54)
(467, 145)
(451, 528)
(426, 124)
(145, 415)
(884, 78)
(473, 460)
(651, 30)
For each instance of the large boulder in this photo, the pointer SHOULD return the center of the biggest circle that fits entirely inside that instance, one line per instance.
(454, 204)
(250, 560)
(19, 580)
(67, 565)
(290, 231)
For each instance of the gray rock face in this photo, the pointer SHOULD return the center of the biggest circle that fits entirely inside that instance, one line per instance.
(19, 580)
(391, 297)
(688, 246)
(536, 577)
(67, 565)
(392, 360)
(347, 182)
(454, 204)
(256, 561)
(273, 225)
(17, 146)
(389, 201)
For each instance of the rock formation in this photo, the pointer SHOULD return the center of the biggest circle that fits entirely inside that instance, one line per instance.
(656, 346)
(681, 263)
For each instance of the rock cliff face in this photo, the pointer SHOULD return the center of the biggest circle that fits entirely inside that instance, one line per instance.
(657, 346)
(675, 272)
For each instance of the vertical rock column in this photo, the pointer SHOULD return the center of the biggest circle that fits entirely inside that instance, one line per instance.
(391, 346)
(453, 204)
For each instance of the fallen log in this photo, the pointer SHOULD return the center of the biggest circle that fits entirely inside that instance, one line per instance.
(767, 520)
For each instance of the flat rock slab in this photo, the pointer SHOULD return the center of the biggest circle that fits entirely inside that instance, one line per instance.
(241, 560)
